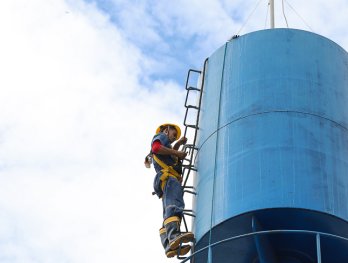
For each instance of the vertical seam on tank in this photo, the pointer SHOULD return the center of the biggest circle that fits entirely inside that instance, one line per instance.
(216, 147)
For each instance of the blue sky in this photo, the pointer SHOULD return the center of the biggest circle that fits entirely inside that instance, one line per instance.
(165, 37)
(180, 35)
(84, 85)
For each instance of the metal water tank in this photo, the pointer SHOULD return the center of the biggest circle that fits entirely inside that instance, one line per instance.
(272, 181)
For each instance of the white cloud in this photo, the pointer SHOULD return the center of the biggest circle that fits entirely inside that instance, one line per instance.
(75, 125)
(78, 107)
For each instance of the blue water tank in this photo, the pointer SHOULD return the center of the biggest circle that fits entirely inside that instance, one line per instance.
(272, 181)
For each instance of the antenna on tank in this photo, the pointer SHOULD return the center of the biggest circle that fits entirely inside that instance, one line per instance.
(271, 5)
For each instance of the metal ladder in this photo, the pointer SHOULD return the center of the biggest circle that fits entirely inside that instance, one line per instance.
(188, 163)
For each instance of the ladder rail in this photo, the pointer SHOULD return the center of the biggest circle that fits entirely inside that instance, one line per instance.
(191, 147)
(197, 119)
(189, 167)
(188, 89)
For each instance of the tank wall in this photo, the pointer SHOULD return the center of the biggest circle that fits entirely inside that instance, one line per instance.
(208, 137)
(273, 128)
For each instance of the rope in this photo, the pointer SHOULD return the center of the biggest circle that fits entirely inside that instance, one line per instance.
(286, 20)
(247, 20)
(293, 9)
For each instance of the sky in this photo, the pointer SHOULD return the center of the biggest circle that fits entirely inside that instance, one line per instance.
(83, 87)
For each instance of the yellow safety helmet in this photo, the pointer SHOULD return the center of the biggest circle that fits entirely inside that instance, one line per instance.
(177, 128)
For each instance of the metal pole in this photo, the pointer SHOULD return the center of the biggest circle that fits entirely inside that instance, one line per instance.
(271, 6)
(318, 248)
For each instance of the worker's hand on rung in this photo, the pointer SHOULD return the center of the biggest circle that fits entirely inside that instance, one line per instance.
(181, 155)
(182, 141)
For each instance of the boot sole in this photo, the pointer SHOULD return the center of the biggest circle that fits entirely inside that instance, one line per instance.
(183, 251)
(184, 238)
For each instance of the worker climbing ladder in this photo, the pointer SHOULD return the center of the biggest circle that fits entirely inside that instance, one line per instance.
(191, 123)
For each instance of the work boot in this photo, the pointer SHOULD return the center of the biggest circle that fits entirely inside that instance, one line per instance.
(174, 236)
(172, 253)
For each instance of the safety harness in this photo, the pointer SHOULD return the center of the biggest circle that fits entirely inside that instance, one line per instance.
(167, 171)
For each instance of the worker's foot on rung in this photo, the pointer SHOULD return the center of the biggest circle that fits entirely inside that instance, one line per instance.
(183, 251)
(182, 238)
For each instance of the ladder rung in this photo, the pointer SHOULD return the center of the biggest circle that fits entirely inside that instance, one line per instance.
(190, 167)
(191, 146)
(191, 107)
(190, 192)
(191, 126)
(193, 88)
(195, 70)
(189, 214)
